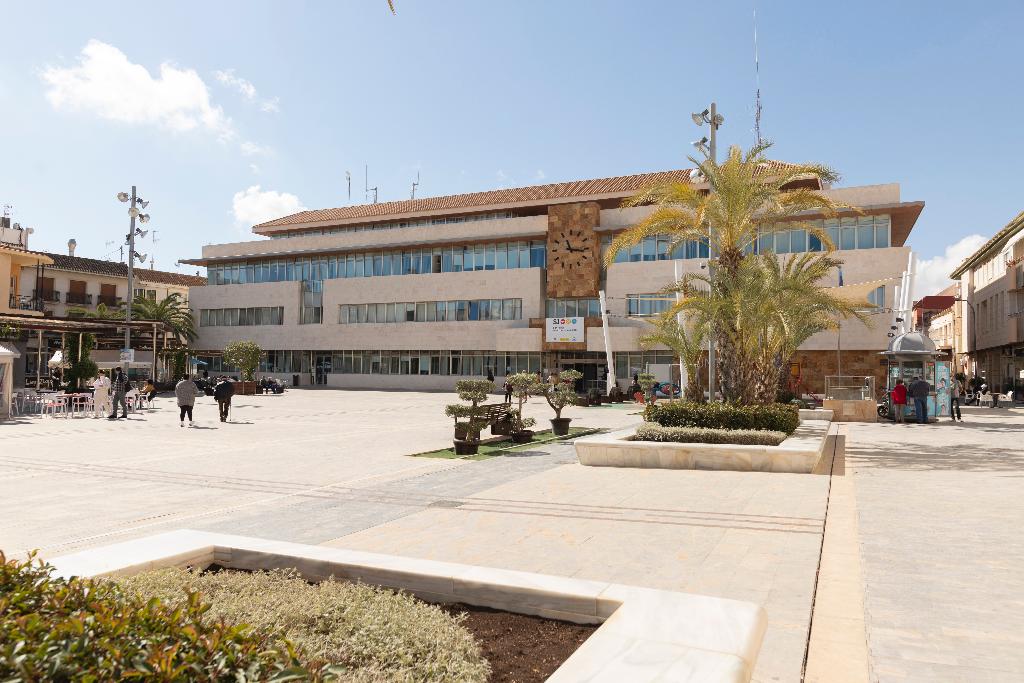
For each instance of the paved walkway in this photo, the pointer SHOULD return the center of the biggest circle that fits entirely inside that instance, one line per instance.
(748, 536)
(941, 526)
(306, 466)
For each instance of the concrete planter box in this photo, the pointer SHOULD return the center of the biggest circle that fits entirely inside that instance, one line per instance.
(807, 451)
(645, 634)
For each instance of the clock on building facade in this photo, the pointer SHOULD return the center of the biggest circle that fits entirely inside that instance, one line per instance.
(574, 250)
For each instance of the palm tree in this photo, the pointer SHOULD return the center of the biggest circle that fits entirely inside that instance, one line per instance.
(798, 306)
(747, 191)
(172, 311)
(687, 343)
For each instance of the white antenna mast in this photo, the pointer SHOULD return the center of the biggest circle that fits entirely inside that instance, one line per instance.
(348, 179)
(757, 79)
(366, 185)
(416, 184)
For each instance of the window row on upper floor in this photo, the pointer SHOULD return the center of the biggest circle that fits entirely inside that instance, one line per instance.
(864, 232)
(448, 259)
(396, 225)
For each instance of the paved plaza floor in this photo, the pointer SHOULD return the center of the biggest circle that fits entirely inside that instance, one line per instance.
(931, 515)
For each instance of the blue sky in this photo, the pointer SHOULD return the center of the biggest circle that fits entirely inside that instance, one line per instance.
(223, 112)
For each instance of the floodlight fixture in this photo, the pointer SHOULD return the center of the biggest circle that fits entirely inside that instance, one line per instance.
(123, 196)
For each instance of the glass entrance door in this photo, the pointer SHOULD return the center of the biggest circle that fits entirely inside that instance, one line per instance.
(322, 367)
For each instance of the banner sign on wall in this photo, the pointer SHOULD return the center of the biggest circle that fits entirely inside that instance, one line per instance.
(564, 330)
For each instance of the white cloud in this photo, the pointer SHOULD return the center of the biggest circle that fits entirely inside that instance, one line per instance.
(107, 84)
(933, 274)
(253, 205)
(250, 148)
(247, 89)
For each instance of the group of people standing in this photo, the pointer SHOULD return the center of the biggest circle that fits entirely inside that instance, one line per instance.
(918, 391)
(111, 393)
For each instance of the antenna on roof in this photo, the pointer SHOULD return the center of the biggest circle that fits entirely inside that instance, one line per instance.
(757, 80)
(416, 184)
(348, 179)
(366, 185)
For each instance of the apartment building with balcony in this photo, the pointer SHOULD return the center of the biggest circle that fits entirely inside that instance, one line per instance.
(69, 284)
(415, 294)
(990, 341)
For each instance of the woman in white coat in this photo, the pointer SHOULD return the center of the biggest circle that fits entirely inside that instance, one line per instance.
(101, 395)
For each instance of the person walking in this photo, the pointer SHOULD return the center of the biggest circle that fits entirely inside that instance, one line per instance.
(508, 390)
(955, 392)
(899, 400)
(919, 390)
(100, 394)
(222, 393)
(186, 392)
(119, 386)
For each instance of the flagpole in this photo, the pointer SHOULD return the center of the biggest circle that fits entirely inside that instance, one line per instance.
(839, 335)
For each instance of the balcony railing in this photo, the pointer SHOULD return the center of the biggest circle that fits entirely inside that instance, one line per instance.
(78, 298)
(108, 300)
(49, 296)
(23, 302)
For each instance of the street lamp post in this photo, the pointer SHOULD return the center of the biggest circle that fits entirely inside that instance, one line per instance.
(713, 119)
(133, 213)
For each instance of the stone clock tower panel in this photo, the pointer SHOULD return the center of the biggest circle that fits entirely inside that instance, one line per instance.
(574, 250)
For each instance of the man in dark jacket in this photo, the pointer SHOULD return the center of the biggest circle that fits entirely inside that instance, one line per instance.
(919, 390)
(223, 392)
(119, 389)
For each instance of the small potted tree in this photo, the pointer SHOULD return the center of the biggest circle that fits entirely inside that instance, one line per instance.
(244, 355)
(522, 384)
(647, 382)
(467, 432)
(560, 395)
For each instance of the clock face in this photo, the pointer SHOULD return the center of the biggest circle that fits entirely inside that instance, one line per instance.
(572, 249)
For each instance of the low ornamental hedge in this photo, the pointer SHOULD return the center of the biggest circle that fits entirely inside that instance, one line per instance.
(775, 417)
(372, 634)
(650, 431)
(52, 629)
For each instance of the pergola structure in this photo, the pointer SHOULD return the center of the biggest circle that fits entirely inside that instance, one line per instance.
(147, 335)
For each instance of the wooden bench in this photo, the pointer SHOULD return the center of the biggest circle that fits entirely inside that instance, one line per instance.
(498, 417)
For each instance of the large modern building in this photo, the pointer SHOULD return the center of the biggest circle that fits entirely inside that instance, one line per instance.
(417, 293)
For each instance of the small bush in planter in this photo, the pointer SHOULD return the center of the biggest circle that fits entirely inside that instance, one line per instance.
(594, 396)
(522, 384)
(560, 395)
(772, 417)
(467, 432)
(650, 431)
(616, 394)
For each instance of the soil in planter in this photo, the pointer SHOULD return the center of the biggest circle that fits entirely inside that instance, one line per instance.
(521, 648)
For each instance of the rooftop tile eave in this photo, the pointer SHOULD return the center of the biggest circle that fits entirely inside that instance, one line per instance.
(89, 266)
(1009, 230)
(532, 195)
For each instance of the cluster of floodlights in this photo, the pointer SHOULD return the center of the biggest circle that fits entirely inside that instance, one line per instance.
(702, 118)
(134, 212)
(893, 328)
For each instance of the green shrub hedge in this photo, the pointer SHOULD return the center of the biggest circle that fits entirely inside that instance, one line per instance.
(59, 630)
(774, 417)
(650, 431)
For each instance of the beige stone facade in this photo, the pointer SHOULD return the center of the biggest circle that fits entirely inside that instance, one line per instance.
(989, 325)
(557, 232)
